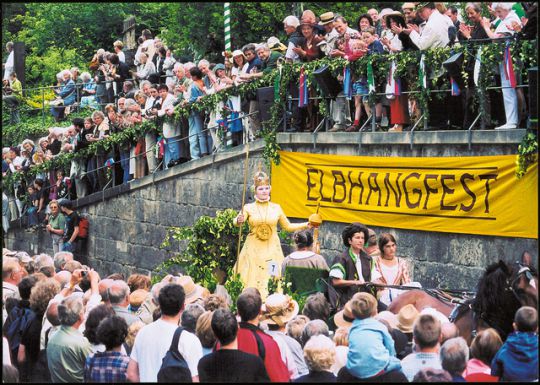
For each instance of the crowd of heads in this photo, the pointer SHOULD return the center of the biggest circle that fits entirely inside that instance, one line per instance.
(66, 293)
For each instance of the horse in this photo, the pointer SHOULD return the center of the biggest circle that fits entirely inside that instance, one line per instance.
(501, 291)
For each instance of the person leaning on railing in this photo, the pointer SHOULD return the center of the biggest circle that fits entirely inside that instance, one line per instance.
(12, 97)
(504, 29)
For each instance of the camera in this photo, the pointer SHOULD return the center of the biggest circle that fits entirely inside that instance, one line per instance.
(84, 273)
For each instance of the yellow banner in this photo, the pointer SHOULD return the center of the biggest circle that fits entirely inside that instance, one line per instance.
(469, 195)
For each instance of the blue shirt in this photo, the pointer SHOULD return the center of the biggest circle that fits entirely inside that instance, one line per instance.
(371, 349)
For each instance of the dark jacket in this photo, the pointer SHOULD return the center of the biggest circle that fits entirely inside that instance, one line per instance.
(340, 295)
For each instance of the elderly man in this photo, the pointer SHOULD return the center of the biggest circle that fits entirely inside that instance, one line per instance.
(308, 16)
(118, 294)
(9, 65)
(68, 348)
(341, 114)
(294, 38)
(327, 22)
(61, 258)
(454, 357)
(12, 274)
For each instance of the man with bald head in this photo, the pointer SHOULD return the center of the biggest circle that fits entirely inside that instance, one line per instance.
(308, 16)
(103, 288)
(448, 330)
(119, 298)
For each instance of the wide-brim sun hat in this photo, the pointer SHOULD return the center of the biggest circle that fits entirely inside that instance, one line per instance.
(406, 317)
(435, 313)
(385, 12)
(278, 309)
(193, 291)
(344, 318)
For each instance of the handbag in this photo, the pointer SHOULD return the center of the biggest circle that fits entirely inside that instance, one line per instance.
(57, 102)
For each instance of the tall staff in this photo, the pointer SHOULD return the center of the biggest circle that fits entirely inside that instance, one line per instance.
(241, 207)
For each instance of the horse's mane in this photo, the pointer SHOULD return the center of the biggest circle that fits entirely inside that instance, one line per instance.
(494, 303)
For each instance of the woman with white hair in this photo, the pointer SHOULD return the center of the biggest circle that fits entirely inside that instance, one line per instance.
(66, 93)
(88, 92)
(508, 18)
(320, 355)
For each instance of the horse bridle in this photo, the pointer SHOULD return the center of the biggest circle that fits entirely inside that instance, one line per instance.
(523, 269)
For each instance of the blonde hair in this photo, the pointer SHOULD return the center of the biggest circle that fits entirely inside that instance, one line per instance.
(319, 353)
(341, 336)
(204, 331)
(118, 44)
(132, 332)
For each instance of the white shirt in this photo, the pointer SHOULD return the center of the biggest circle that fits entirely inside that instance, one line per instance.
(121, 56)
(153, 342)
(434, 34)
(9, 66)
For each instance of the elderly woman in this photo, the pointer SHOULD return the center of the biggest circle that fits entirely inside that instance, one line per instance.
(146, 68)
(389, 269)
(320, 355)
(101, 131)
(508, 18)
(88, 92)
(66, 93)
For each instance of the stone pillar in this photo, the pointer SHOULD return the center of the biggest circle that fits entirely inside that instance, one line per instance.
(130, 40)
(19, 57)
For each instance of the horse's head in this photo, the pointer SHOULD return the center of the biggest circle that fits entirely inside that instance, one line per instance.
(501, 291)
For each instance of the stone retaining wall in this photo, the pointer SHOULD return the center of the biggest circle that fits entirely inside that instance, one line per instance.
(128, 223)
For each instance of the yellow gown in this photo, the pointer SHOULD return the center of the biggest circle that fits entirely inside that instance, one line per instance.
(262, 248)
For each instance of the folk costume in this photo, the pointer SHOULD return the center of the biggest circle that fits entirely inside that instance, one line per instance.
(261, 256)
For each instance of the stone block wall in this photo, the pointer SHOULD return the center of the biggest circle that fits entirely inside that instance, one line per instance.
(128, 223)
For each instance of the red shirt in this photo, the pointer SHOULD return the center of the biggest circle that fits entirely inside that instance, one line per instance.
(247, 342)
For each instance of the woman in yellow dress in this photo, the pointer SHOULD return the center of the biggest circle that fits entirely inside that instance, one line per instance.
(261, 256)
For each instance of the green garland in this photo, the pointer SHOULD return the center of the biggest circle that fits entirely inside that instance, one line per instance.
(407, 63)
(527, 153)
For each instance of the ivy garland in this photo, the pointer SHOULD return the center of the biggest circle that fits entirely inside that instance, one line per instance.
(407, 64)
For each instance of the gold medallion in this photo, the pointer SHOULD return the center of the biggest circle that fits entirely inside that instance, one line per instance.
(263, 232)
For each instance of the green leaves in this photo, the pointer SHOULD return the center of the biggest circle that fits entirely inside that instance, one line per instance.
(211, 244)
(527, 153)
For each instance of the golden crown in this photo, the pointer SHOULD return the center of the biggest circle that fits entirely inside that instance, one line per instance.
(261, 179)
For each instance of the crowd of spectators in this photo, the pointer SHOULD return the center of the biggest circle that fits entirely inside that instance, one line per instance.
(63, 322)
(121, 97)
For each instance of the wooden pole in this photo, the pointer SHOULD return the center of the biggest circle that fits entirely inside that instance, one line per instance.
(242, 207)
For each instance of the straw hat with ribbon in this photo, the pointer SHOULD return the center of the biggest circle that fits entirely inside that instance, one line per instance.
(406, 317)
(279, 309)
(344, 318)
(192, 290)
(326, 18)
